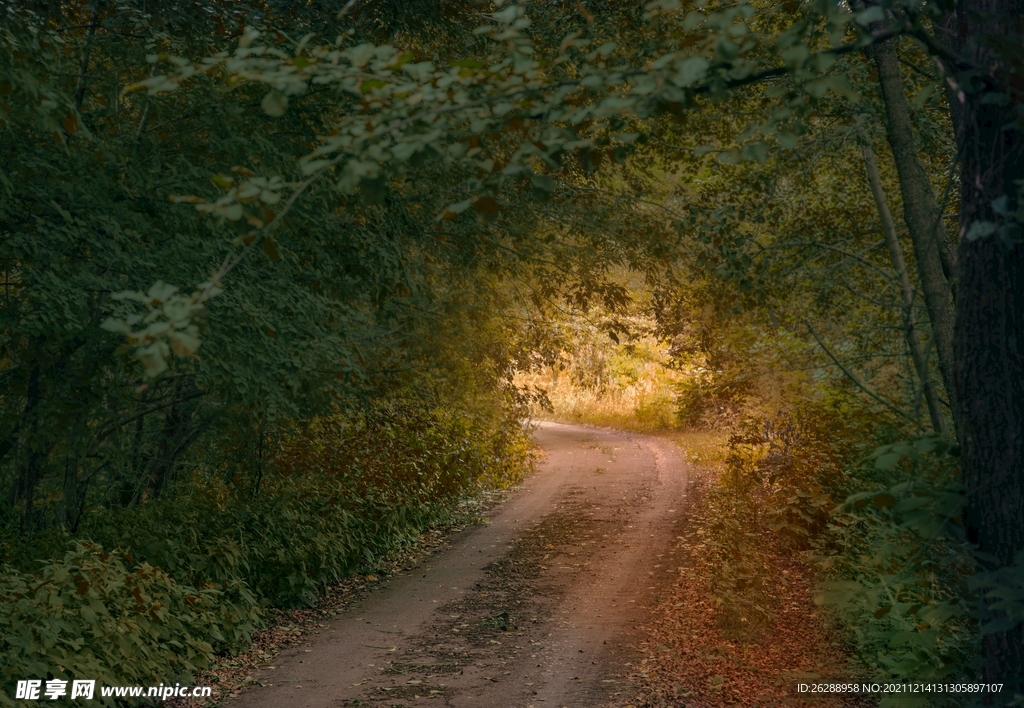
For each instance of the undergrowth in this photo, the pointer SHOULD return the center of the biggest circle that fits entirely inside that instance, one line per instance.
(149, 594)
(626, 386)
(826, 483)
(807, 473)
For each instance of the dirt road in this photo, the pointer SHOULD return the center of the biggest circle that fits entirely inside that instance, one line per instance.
(537, 608)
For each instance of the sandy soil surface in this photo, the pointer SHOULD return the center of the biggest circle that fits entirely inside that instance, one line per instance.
(539, 607)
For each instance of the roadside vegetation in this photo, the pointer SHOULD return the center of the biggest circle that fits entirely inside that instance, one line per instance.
(822, 545)
(282, 284)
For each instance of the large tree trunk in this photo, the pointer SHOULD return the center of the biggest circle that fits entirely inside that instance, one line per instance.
(935, 265)
(990, 305)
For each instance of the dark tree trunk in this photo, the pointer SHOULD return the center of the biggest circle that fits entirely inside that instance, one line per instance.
(24, 489)
(989, 335)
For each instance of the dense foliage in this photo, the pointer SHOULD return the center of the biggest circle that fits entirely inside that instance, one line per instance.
(350, 389)
(276, 268)
(185, 579)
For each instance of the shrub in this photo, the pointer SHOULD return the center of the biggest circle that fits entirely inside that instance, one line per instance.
(897, 568)
(894, 563)
(205, 560)
(99, 615)
(776, 491)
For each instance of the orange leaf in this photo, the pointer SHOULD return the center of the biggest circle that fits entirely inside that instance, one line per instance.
(883, 500)
(270, 249)
(486, 207)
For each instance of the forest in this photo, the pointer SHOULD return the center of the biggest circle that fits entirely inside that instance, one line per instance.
(287, 284)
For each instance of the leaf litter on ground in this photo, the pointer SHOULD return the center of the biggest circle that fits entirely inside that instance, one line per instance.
(694, 660)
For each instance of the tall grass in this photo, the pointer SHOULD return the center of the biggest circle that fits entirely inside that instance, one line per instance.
(627, 386)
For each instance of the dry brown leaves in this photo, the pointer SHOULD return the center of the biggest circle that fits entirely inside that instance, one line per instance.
(692, 661)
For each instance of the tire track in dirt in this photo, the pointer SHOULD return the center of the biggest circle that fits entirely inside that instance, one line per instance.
(537, 608)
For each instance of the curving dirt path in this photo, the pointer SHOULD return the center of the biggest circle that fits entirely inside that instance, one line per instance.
(537, 608)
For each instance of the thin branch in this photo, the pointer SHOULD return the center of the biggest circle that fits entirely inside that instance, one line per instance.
(86, 53)
(257, 235)
(874, 301)
(112, 426)
(344, 10)
(900, 266)
(860, 259)
(758, 77)
(918, 69)
(850, 375)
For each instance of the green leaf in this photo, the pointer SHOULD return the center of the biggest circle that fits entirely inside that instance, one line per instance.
(796, 55)
(729, 157)
(453, 210)
(871, 14)
(183, 343)
(923, 95)
(692, 70)
(401, 61)
(980, 229)
(232, 212)
(999, 626)
(371, 84)
(274, 103)
(470, 63)
(543, 183)
(727, 49)
(758, 152)
(888, 460)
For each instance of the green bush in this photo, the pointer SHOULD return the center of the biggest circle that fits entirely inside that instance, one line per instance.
(207, 559)
(707, 398)
(98, 615)
(781, 474)
(884, 529)
(897, 568)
